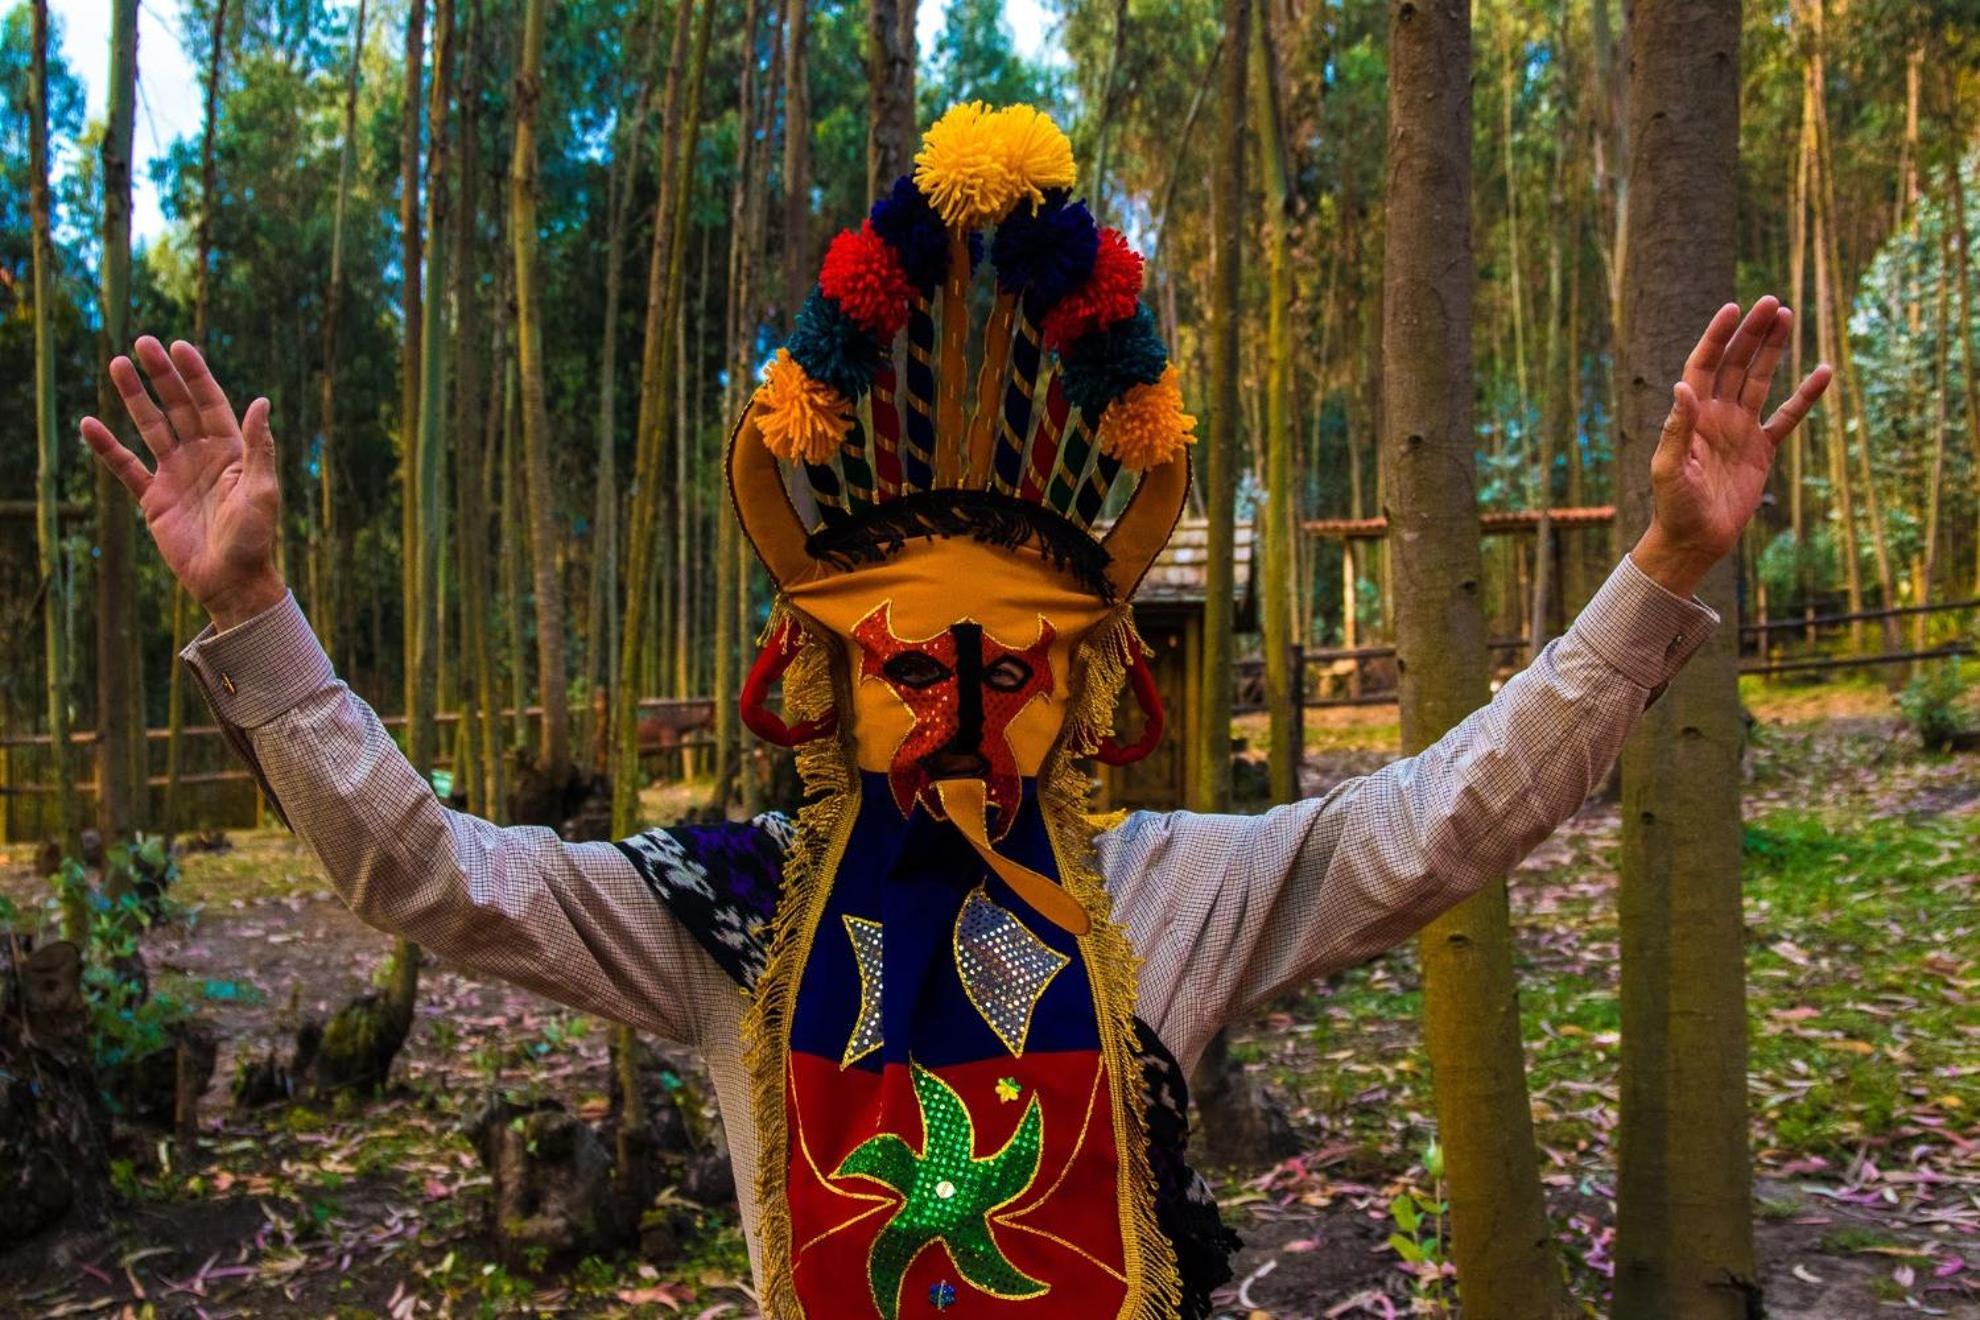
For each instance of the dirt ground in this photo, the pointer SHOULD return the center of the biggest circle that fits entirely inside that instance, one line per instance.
(377, 1210)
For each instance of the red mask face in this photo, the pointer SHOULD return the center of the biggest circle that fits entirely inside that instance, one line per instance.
(963, 687)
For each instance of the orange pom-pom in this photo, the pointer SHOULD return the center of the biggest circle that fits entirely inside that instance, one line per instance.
(798, 417)
(1109, 294)
(862, 275)
(1147, 427)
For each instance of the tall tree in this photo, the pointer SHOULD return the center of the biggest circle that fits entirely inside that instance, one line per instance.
(552, 688)
(890, 136)
(326, 594)
(1274, 542)
(1684, 1185)
(798, 262)
(48, 485)
(119, 689)
(410, 310)
(1501, 1243)
(1210, 782)
(175, 698)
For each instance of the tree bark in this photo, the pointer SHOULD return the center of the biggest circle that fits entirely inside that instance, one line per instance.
(1684, 1200)
(175, 692)
(1210, 784)
(1966, 352)
(1274, 542)
(326, 606)
(1500, 1238)
(552, 689)
(48, 486)
(798, 262)
(119, 689)
(890, 49)
(411, 310)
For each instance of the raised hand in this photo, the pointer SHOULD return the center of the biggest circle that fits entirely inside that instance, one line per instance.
(1711, 464)
(213, 504)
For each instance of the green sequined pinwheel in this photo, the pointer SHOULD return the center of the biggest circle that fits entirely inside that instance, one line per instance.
(947, 1194)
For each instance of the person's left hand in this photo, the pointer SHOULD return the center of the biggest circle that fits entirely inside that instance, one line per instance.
(1711, 464)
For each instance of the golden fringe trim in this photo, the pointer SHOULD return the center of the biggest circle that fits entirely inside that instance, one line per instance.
(825, 765)
(1065, 794)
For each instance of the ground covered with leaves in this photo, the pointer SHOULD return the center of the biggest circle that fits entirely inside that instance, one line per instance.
(1863, 911)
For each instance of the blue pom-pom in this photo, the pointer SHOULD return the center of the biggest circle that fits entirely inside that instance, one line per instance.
(1108, 363)
(833, 349)
(1047, 253)
(919, 238)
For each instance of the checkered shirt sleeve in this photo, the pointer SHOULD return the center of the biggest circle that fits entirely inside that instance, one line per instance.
(1227, 911)
(571, 921)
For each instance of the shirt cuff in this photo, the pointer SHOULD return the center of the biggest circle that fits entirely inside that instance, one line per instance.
(1641, 628)
(261, 669)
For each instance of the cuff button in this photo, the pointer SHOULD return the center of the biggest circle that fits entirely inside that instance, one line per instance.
(227, 682)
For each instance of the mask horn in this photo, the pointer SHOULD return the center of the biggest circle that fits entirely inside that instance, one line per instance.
(764, 507)
(757, 717)
(1144, 526)
(1149, 698)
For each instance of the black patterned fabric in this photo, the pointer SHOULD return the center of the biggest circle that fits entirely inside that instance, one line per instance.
(723, 881)
(1184, 1204)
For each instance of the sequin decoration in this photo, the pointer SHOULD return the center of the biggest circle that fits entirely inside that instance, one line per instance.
(1007, 1089)
(942, 1295)
(947, 1195)
(1004, 968)
(865, 1038)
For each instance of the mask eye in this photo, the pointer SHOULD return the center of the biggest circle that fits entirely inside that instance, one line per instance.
(915, 669)
(1006, 673)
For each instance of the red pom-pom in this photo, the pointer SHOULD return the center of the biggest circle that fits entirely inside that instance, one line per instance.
(862, 275)
(1110, 294)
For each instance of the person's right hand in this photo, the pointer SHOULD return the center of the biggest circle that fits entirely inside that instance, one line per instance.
(214, 503)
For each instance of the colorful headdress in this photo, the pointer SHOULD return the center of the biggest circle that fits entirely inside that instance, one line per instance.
(949, 1078)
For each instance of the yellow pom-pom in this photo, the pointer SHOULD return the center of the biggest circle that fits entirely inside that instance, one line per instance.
(1036, 153)
(798, 417)
(961, 167)
(1146, 427)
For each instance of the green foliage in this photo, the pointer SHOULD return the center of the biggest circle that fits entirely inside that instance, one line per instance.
(1786, 564)
(1932, 703)
(1419, 1237)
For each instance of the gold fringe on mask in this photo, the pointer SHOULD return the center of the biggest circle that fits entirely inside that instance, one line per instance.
(1065, 794)
(812, 686)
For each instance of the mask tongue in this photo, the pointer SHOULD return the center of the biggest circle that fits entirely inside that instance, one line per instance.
(963, 801)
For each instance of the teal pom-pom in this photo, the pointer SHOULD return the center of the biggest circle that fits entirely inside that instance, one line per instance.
(833, 349)
(1104, 365)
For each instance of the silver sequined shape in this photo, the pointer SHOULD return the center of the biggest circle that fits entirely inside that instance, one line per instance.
(865, 1038)
(1004, 968)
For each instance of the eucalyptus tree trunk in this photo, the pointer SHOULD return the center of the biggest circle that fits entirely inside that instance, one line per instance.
(120, 751)
(1684, 1231)
(1964, 265)
(470, 542)
(1210, 780)
(410, 310)
(48, 486)
(798, 262)
(601, 661)
(1274, 543)
(1501, 1243)
(175, 698)
(678, 138)
(748, 207)
(1928, 558)
(553, 693)
(890, 54)
(326, 595)
(422, 606)
(1103, 122)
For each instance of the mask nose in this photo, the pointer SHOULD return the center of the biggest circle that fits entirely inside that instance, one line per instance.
(962, 756)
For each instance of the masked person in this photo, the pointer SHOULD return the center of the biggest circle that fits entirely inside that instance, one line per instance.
(949, 1023)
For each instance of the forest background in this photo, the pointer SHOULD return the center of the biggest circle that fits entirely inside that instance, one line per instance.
(461, 249)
